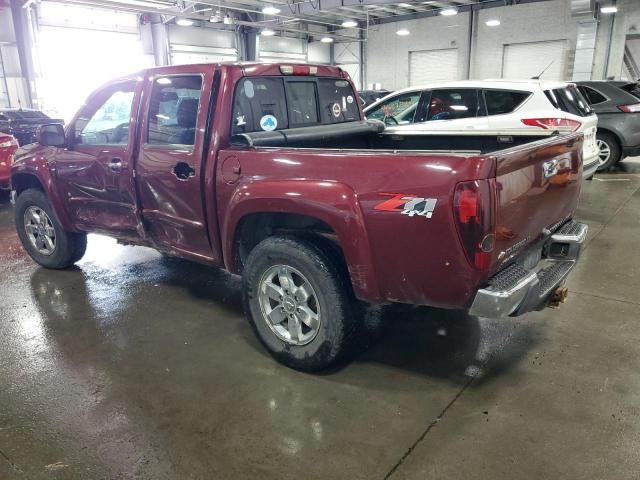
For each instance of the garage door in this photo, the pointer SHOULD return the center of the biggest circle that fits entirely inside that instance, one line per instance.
(79, 49)
(427, 66)
(188, 54)
(526, 60)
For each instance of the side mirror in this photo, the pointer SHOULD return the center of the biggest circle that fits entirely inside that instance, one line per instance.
(51, 135)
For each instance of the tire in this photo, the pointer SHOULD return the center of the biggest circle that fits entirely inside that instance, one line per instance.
(68, 247)
(610, 152)
(316, 344)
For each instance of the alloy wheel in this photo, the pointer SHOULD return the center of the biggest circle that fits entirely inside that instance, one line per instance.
(40, 230)
(289, 305)
(604, 152)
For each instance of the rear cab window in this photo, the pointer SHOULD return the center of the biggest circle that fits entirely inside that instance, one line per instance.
(570, 100)
(277, 103)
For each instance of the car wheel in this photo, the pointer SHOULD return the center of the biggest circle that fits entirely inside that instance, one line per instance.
(609, 151)
(298, 302)
(42, 235)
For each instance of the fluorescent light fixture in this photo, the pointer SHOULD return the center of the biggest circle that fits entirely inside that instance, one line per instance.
(326, 40)
(404, 5)
(609, 9)
(184, 22)
(492, 23)
(349, 24)
(403, 32)
(270, 10)
(267, 32)
(447, 12)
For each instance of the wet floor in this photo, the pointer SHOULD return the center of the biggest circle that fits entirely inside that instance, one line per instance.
(135, 366)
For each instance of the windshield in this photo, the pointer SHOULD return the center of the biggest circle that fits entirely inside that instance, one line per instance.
(277, 103)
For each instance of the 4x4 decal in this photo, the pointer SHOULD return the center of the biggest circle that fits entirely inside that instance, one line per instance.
(408, 205)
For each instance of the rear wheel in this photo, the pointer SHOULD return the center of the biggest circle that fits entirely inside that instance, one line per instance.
(609, 151)
(42, 235)
(298, 302)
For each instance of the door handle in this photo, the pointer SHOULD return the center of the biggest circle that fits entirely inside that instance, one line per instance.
(183, 171)
(115, 165)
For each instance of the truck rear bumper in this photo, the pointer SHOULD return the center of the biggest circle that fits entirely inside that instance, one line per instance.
(517, 289)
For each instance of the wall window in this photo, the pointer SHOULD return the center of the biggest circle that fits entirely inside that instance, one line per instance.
(106, 122)
(173, 110)
(399, 110)
(452, 104)
(503, 101)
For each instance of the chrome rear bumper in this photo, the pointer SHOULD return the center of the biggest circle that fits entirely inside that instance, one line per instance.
(516, 290)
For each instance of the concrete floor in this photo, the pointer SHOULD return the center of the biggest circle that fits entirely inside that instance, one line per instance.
(132, 366)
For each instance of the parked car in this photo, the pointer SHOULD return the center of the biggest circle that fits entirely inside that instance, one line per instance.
(288, 186)
(369, 97)
(617, 104)
(8, 145)
(513, 111)
(23, 123)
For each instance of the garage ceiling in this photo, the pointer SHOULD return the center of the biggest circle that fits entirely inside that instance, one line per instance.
(296, 17)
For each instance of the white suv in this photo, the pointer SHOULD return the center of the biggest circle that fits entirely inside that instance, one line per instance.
(507, 109)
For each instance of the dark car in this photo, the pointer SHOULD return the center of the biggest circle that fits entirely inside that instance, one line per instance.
(369, 97)
(617, 104)
(23, 123)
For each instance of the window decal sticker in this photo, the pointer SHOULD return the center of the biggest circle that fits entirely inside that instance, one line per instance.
(410, 205)
(336, 109)
(268, 123)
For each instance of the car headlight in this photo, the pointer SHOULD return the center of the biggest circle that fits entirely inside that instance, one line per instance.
(8, 143)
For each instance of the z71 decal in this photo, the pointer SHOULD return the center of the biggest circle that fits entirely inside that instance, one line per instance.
(408, 205)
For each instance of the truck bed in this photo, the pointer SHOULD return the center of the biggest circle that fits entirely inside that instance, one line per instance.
(370, 135)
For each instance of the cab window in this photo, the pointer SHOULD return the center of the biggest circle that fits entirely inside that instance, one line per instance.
(173, 110)
(399, 110)
(108, 123)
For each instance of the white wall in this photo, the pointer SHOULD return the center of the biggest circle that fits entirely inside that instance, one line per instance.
(319, 52)
(532, 22)
(387, 54)
(627, 22)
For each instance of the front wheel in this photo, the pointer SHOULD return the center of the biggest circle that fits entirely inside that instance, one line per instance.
(609, 151)
(42, 235)
(298, 302)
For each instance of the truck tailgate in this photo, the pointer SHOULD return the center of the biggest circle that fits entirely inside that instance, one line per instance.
(537, 189)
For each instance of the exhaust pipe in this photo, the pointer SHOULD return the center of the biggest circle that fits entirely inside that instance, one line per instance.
(558, 296)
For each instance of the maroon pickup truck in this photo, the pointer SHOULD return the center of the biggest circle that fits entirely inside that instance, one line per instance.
(270, 171)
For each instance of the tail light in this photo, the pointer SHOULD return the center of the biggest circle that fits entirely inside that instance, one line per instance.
(474, 211)
(298, 70)
(553, 123)
(633, 108)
